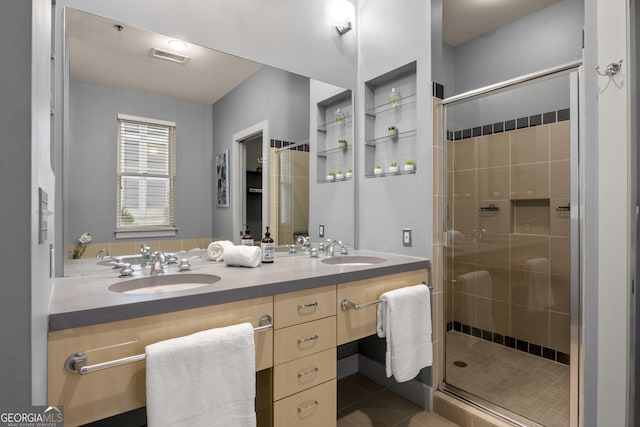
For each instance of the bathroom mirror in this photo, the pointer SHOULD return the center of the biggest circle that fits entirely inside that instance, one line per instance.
(212, 97)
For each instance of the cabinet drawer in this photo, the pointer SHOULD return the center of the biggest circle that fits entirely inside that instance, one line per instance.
(301, 374)
(315, 407)
(356, 324)
(302, 340)
(303, 306)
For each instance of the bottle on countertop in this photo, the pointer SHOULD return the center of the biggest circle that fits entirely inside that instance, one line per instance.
(268, 247)
(247, 238)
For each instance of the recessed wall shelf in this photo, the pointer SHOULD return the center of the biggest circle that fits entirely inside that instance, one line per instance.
(391, 102)
(336, 150)
(335, 123)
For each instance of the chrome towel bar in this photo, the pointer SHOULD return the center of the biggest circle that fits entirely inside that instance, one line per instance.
(345, 304)
(75, 363)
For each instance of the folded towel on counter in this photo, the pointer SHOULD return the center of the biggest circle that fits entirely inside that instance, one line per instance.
(215, 251)
(193, 381)
(242, 256)
(404, 319)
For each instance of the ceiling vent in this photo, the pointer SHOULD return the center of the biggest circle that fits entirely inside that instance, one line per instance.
(169, 56)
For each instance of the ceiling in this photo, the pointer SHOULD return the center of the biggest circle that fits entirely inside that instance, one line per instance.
(99, 53)
(464, 20)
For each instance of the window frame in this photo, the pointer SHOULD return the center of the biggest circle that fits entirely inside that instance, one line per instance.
(153, 230)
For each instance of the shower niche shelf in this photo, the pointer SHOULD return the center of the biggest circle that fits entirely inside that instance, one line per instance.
(390, 101)
(335, 123)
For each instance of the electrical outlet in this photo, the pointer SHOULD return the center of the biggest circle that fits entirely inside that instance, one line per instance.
(406, 237)
(321, 230)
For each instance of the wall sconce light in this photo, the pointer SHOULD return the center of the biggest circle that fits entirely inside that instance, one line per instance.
(343, 13)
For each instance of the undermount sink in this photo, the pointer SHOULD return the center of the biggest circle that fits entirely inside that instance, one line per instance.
(164, 283)
(353, 260)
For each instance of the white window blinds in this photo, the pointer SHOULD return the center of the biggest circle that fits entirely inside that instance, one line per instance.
(146, 174)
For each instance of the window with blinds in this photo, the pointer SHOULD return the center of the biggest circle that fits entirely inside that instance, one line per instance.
(146, 174)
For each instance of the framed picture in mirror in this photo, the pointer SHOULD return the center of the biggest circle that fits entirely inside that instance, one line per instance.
(222, 178)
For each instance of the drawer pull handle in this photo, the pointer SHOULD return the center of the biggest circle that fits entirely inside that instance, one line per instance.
(308, 372)
(305, 408)
(303, 306)
(304, 340)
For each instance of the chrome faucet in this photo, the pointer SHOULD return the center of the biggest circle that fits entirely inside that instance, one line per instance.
(146, 255)
(331, 246)
(157, 263)
(304, 241)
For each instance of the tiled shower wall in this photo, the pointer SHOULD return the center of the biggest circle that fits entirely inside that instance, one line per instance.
(507, 209)
(289, 205)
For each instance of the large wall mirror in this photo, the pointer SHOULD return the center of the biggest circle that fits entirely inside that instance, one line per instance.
(229, 114)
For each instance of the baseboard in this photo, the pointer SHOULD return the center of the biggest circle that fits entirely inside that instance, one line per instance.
(347, 366)
(414, 391)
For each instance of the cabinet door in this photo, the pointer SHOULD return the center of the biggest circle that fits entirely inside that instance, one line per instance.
(316, 407)
(112, 391)
(303, 306)
(355, 324)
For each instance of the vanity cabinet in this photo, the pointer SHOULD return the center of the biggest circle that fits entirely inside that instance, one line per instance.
(296, 382)
(112, 391)
(355, 324)
(304, 373)
(334, 137)
(391, 121)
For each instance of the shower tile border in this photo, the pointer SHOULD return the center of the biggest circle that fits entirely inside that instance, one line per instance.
(509, 125)
(511, 342)
(276, 143)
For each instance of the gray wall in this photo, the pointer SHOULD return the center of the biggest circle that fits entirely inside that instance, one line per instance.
(387, 205)
(271, 94)
(547, 38)
(24, 166)
(92, 157)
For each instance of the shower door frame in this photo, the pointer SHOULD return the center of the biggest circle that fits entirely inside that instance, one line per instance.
(576, 104)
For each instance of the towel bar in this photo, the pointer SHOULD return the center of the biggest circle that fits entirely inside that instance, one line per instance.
(75, 363)
(345, 304)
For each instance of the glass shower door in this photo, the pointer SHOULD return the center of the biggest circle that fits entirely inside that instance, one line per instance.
(508, 266)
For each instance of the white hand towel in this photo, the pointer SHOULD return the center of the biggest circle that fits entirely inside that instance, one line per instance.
(404, 318)
(215, 251)
(243, 256)
(203, 379)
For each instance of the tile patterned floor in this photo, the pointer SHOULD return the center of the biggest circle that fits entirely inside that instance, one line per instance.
(531, 386)
(363, 403)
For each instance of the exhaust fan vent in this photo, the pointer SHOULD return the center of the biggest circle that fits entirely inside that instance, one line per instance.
(169, 56)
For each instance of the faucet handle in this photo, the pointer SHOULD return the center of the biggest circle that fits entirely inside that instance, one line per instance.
(344, 250)
(126, 270)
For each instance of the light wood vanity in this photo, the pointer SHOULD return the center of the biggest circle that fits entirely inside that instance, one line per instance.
(297, 358)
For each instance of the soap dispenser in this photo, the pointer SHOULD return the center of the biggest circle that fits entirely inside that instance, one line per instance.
(268, 247)
(247, 238)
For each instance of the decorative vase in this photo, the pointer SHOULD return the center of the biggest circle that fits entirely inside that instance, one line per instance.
(392, 132)
(339, 176)
(409, 168)
(342, 144)
(349, 175)
(331, 177)
(378, 171)
(393, 169)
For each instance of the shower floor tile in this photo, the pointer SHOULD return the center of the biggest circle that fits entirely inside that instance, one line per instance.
(531, 386)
